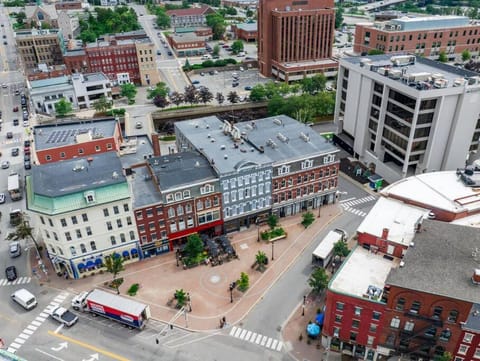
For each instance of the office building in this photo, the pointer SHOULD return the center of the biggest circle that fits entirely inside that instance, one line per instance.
(45, 93)
(295, 38)
(425, 36)
(40, 47)
(407, 115)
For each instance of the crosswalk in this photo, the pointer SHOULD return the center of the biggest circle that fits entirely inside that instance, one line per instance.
(35, 324)
(256, 338)
(348, 204)
(18, 281)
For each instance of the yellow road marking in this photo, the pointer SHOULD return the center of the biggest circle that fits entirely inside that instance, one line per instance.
(90, 347)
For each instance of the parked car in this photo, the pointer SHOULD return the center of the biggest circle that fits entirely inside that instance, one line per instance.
(170, 53)
(234, 85)
(26, 158)
(248, 87)
(15, 121)
(26, 143)
(27, 165)
(11, 273)
(158, 52)
(15, 109)
(195, 82)
(9, 135)
(5, 164)
(3, 198)
(15, 152)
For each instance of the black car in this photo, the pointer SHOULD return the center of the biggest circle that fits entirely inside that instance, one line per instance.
(15, 152)
(26, 143)
(11, 273)
(27, 164)
(15, 121)
(26, 158)
(234, 85)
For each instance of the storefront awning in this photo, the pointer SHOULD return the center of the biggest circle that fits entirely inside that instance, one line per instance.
(125, 254)
(134, 251)
(90, 264)
(80, 266)
(98, 262)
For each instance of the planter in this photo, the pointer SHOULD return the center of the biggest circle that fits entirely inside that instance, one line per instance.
(278, 238)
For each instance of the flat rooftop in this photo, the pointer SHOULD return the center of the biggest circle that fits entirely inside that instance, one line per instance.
(144, 190)
(179, 38)
(176, 170)
(248, 26)
(442, 262)
(443, 190)
(399, 218)
(421, 65)
(45, 83)
(95, 77)
(431, 22)
(363, 271)
(76, 175)
(52, 135)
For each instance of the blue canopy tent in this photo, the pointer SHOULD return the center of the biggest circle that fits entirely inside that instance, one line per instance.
(319, 319)
(313, 330)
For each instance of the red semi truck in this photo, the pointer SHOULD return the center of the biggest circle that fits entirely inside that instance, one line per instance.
(124, 310)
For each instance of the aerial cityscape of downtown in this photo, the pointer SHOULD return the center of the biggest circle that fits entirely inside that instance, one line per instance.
(282, 180)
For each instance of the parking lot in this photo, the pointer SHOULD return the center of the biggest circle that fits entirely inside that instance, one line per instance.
(222, 81)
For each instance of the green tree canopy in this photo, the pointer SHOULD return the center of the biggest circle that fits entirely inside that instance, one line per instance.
(102, 104)
(258, 93)
(338, 17)
(63, 108)
(160, 89)
(128, 91)
(237, 46)
(442, 57)
(21, 16)
(243, 282)
(340, 248)
(307, 219)
(194, 246)
(23, 231)
(114, 265)
(318, 280)
(218, 25)
(466, 56)
(272, 221)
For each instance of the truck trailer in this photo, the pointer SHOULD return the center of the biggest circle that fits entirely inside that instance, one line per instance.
(129, 312)
(14, 187)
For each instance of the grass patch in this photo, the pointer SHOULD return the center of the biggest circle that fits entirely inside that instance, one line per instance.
(168, 138)
(276, 232)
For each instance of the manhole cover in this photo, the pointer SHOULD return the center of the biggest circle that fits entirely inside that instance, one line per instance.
(215, 279)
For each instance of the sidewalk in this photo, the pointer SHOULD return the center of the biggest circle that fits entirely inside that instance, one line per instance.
(208, 286)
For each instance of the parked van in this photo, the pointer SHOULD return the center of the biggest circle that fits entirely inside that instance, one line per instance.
(206, 56)
(24, 298)
(15, 249)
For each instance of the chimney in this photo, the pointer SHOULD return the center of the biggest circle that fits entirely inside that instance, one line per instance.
(385, 234)
(476, 276)
(156, 145)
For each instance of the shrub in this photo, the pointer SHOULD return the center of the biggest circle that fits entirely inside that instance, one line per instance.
(168, 138)
(132, 291)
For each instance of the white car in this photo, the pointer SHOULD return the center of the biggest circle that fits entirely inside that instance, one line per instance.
(2, 198)
(26, 123)
(5, 164)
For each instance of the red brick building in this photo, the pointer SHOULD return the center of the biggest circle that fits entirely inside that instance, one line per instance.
(246, 31)
(468, 347)
(68, 5)
(191, 17)
(295, 38)
(425, 36)
(188, 44)
(185, 200)
(78, 139)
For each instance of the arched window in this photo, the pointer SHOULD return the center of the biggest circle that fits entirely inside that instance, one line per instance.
(188, 208)
(452, 316)
(83, 249)
(199, 205)
(40, 16)
(179, 210)
(73, 251)
(132, 235)
(122, 237)
(60, 251)
(113, 240)
(93, 246)
(415, 307)
(400, 304)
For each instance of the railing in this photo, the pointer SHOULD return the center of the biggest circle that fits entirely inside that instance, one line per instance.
(431, 319)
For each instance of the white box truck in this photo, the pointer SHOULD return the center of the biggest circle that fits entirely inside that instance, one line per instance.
(323, 254)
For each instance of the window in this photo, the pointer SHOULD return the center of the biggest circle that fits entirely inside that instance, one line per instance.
(453, 315)
(171, 213)
(105, 212)
(132, 235)
(445, 336)
(116, 210)
(122, 238)
(113, 240)
(370, 340)
(340, 306)
(88, 229)
(358, 311)
(169, 198)
(78, 233)
(400, 304)
(477, 353)
(200, 204)
(307, 164)
(336, 331)
(126, 207)
(338, 318)
(50, 222)
(62, 154)
(284, 169)
(415, 307)
(63, 222)
(437, 312)
(355, 323)
(186, 194)
(395, 323)
(84, 217)
(73, 251)
(42, 220)
(462, 350)
(376, 315)
(207, 188)
(373, 327)
(83, 249)
(68, 236)
(468, 337)
(178, 196)
(93, 246)
(353, 336)
(119, 223)
(179, 210)
(109, 226)
(74, 220)
(409, 326)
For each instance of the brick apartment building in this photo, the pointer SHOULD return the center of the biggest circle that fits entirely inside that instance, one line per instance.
(425, 36)
(295, 38)
(68, 5)
(191, 17)
(246, 31)
(40, 47)
(131, 59)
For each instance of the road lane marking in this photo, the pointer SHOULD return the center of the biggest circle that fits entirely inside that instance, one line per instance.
(49, 355)
(88, 346)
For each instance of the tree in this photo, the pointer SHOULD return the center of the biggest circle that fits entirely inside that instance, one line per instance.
(442, 57)
(181, 297)
(261, 258)
(338, 17)
(466, 55)
(194, 246)
(243, 282)
(128, 91)
(446, 356)
(190, 95)
(258, 93)
(21, 16)
(318, 280)
(114, 265)
(216, 50)
(249, 13)
(272, 221)
(63, 108)
(163, 20)
(217, 23)
(23, 231)
(205, 95)
(160, 89)
(233, 97)
(237, 46)
(187, 66)
(307, 219)
(102, 104)
(375, 52)
(220, 98)
(340, 249)
(160, 101)
(176, 98)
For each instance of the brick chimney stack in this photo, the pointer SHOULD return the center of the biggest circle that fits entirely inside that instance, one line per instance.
(156, 145)
(385, 234)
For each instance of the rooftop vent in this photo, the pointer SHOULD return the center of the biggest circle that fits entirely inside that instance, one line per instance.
(277, 121)
(212, 140)
(222, 147)
(304, 137)
(225, 156)
(197, 164)
(282, 137)
(115, 175)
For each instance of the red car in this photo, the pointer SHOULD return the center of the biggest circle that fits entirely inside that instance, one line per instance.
(26, 150)
(15, 109)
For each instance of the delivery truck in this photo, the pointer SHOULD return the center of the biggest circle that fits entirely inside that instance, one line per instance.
(323, 254)
(14, 186)
(124, 310)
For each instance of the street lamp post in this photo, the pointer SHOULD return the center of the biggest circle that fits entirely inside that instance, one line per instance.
(273, 243)
(189, 302)
(176, 256)
(319, 208)
(232, 287)
(258, 230)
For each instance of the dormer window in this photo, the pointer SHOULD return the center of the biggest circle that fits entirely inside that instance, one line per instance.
(169, 198)
(284, 169)
(329, 159)
(89, 197)
(207, 188)
(307, 164)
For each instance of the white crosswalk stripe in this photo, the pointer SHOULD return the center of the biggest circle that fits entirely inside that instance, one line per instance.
(18, 281)
(347, 205)
(253, 337)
